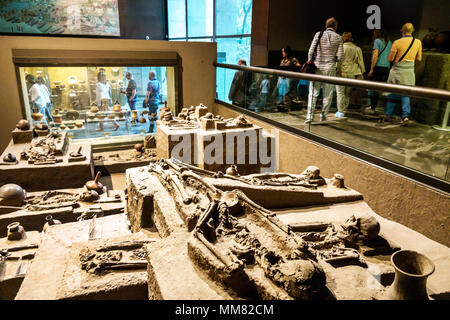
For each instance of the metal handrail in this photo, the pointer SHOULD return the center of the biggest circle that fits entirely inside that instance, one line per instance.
(419, 92)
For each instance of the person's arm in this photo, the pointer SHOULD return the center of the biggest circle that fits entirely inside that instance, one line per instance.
(419, 52)
(340, 52)
(393, 53)
(313, 45)
(149, 91)
(361, 61)
(98, 94)
(133, 94)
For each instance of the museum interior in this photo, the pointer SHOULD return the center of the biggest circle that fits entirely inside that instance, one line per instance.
(224, 150)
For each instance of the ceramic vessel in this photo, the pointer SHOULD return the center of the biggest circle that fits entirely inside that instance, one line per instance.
(100, 116)
(412, 270)
(50, 222)
(117, 107)
(9, 158)
(23, 125)
(95, 184)
(41, 126)
(70, 125)
(12, 195)
(15, 231)
(37, 116)
(57, 117)
(79, 124)
(134, 114)
(93, 109)
(232, 170)
(139, 147)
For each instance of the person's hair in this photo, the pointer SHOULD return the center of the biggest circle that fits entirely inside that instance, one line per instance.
(152, 73)
(380, 34)
(331, 23)
(30, 78)
(40, 79)
(288, 51)
(100, 75)
(408, 28)
(243, 62)
(129, 73)
(347, 37)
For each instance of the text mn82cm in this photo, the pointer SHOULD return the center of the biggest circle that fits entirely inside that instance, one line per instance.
(243, 309)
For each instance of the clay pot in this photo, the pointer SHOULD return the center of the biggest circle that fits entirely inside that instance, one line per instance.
(12, 195)
(70, 125)
(91, 116)
(442, 40)
(111, 115)
(9, 158)
(41, 126)
(100, 116)
(79, 124)
(134, 114)
(15, 231)
(57, 118)
(117, 107)
(93, 109)
(232, 170)
(23, 125)
(139, 147)
(95, 184)
(142, 120)
(50, 222)
(62, 126)
(411, 272)
(37, 116)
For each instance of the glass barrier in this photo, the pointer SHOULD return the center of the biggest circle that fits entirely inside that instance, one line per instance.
(96, 102)
(408, 131)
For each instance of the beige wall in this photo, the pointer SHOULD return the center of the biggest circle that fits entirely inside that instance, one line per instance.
(389, 195)
(199, 77)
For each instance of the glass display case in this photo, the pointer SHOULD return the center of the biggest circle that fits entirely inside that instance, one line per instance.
(103, 104)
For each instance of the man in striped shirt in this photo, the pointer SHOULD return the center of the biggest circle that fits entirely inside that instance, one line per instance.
(329, 51)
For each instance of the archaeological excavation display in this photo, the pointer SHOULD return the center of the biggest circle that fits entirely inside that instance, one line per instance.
(190, 230)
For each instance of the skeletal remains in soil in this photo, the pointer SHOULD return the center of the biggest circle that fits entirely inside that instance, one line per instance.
(122, 255)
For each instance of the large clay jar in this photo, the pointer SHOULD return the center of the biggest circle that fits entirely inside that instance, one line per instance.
(15, 231)
(12, 195)
(50, 222)
(23, 125)
(411, 272)
(95, 184)
(37, 116)
(442, 40)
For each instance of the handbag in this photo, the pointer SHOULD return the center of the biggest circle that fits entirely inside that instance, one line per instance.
(310, 66)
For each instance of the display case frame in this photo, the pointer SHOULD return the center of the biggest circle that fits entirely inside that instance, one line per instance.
(100, 58)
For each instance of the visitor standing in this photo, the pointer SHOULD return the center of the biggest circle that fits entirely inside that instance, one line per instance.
(379, 69)
(238, 86)
(130, 91)
(265, 88)
(405, 51)
(45, 96)
(103, 97)
(152, 96)
(351, 66)
(328, 49)
(37, 99)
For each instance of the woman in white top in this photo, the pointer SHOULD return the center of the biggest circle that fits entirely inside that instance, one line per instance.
(351, 66)
(103, 97)
(45, 97)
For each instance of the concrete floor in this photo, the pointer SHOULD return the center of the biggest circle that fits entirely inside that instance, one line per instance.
(416, 146)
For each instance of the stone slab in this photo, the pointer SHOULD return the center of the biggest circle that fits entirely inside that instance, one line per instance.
(288, 197)
(9, 281)
(173, 276)
(35, 220)
(397, 235)
(119, 285)
(45, 273)
(47, 177)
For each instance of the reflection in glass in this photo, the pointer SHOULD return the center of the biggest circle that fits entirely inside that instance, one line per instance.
(200, 18)
(233, 17)
(176, 14)
(419, 145)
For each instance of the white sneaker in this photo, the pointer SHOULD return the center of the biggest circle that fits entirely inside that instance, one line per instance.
(308, 121)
